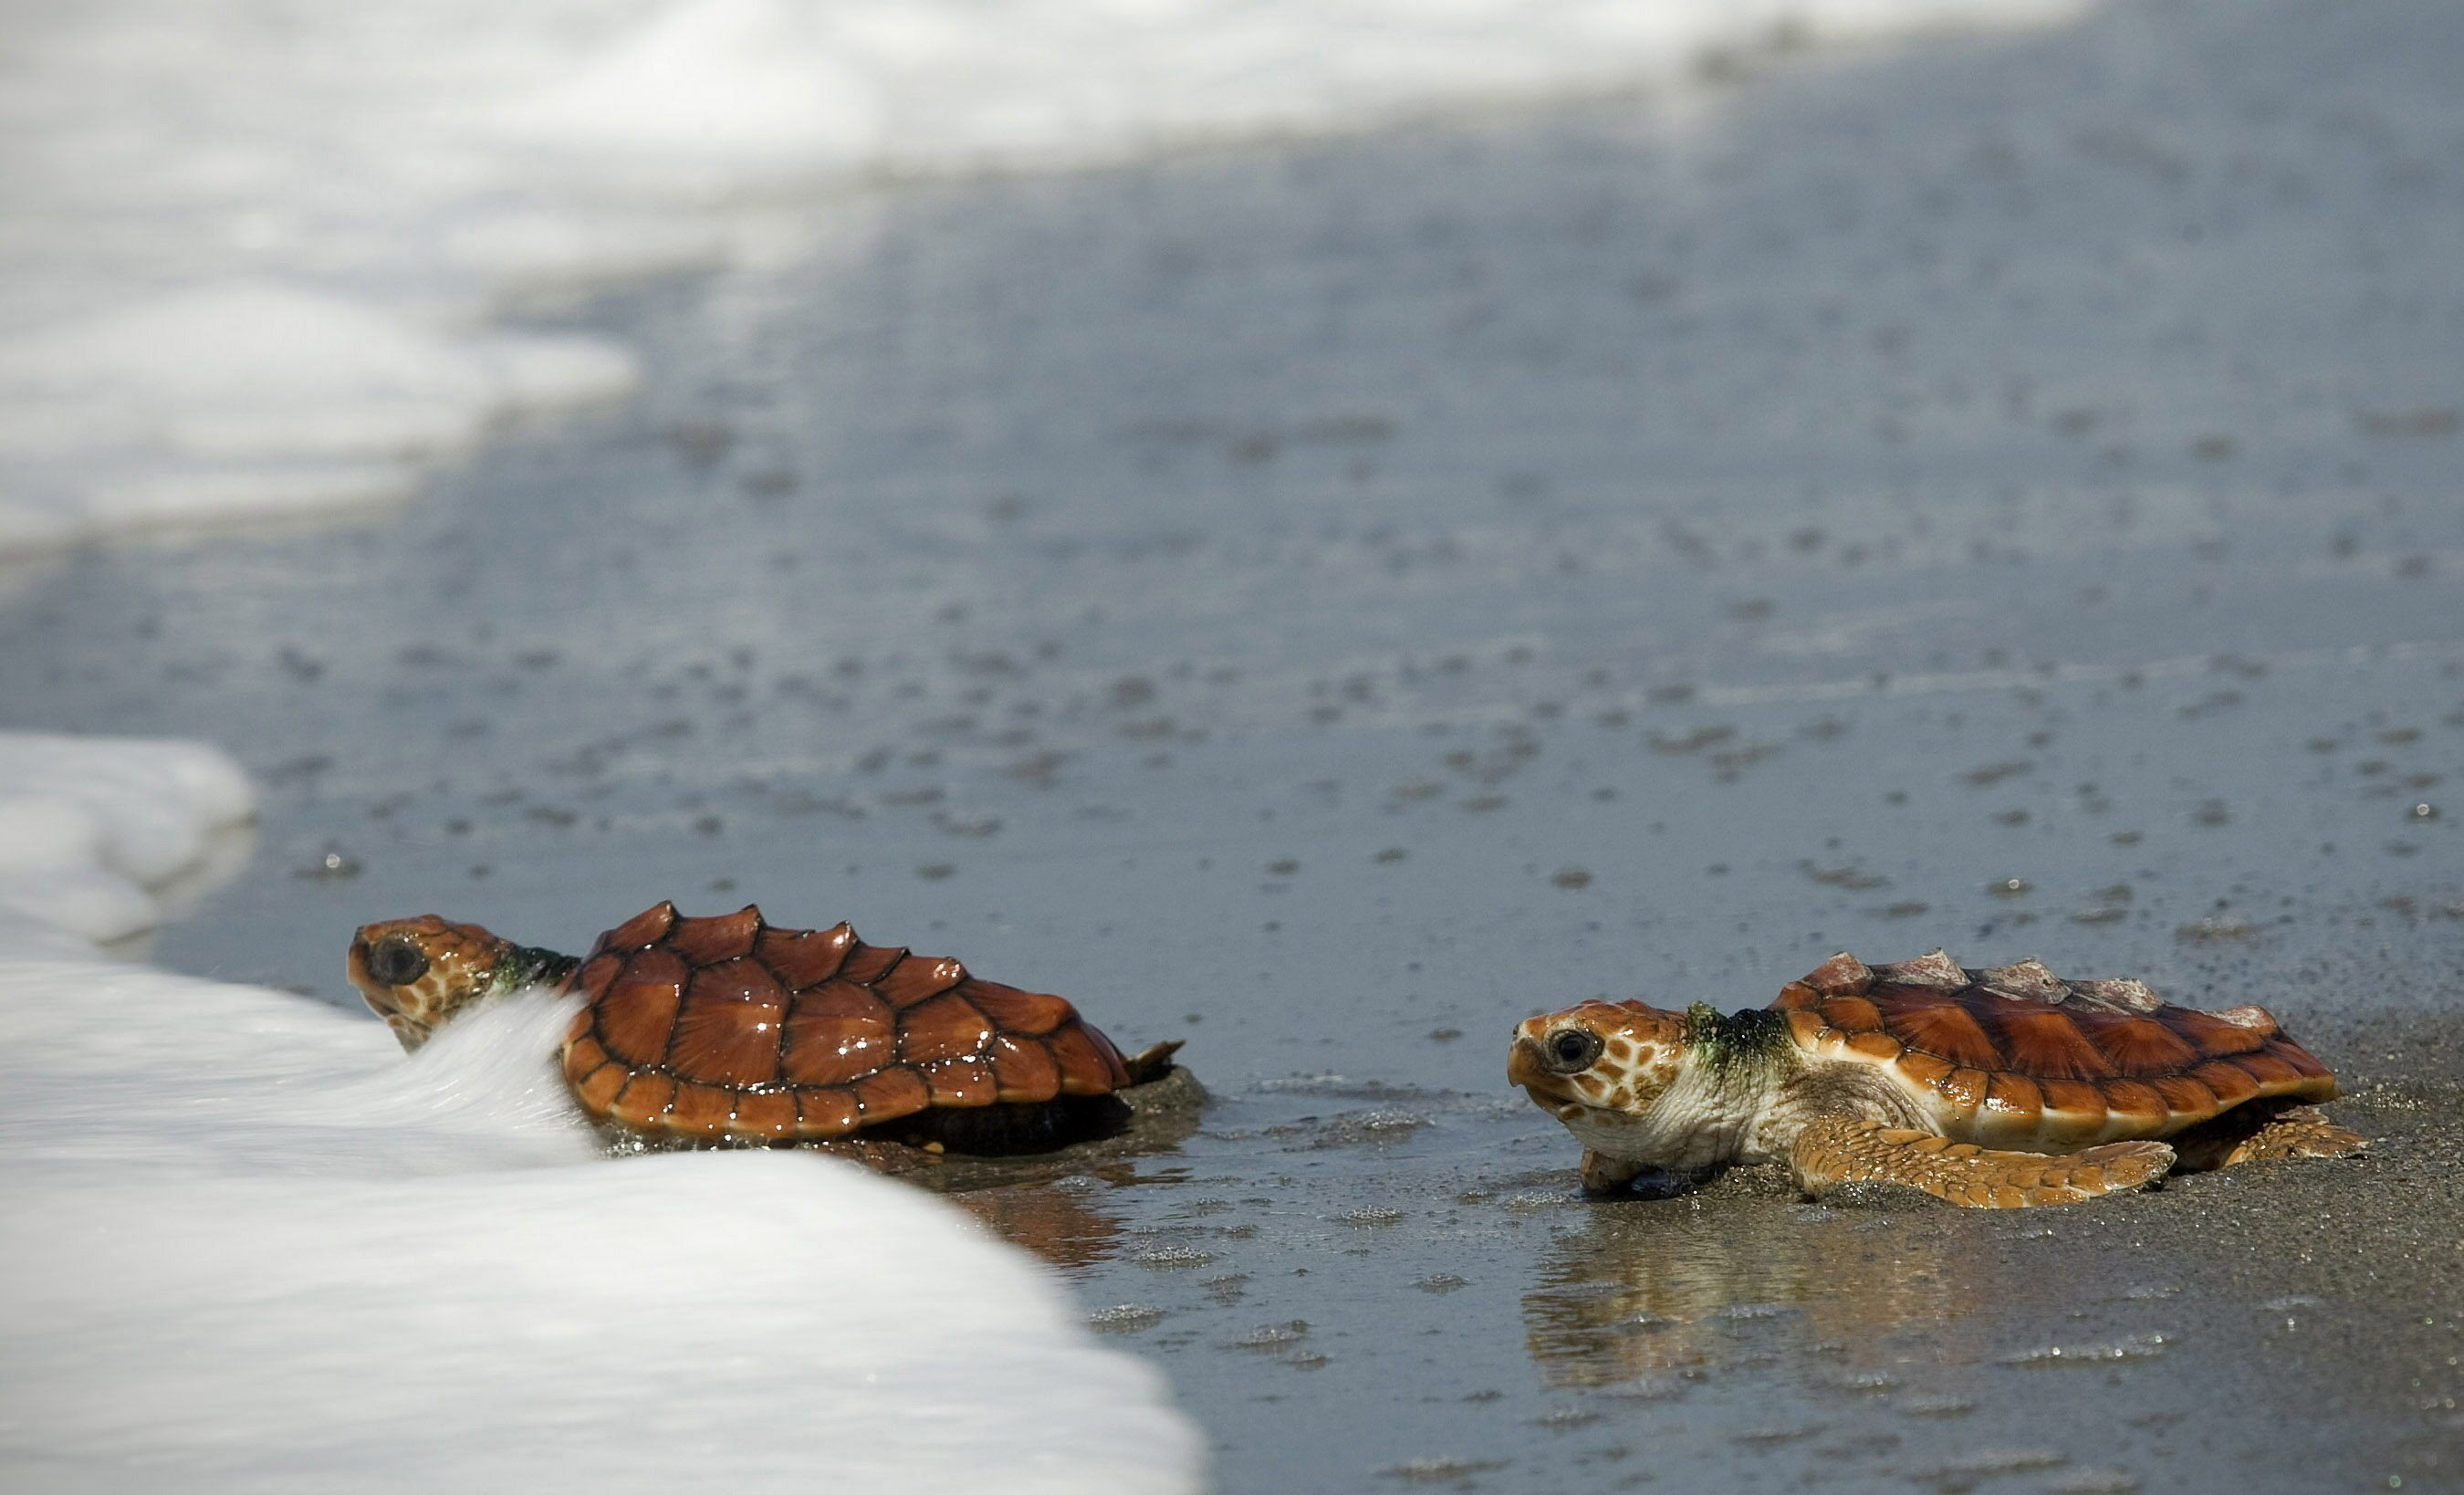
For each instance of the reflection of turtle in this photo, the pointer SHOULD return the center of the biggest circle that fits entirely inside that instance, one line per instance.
(1911, 1073)
(1624, 1295)
(727, 1030)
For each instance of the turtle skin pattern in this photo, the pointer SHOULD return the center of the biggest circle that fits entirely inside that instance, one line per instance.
(2017, 1057)
(725, 1028)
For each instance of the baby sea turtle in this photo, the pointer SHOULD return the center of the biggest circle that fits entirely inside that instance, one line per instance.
(725, 1029)
(1981, 1087)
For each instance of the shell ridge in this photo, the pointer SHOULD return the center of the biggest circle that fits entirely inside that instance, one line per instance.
(870, 981)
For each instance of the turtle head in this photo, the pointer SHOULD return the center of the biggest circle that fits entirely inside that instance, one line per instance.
(1598, 1060)
(419, 974)
(1640, 1085)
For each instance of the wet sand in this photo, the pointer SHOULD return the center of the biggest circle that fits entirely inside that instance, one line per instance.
(1326, 604)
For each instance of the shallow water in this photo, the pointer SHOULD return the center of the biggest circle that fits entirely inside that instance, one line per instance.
(1330, 604)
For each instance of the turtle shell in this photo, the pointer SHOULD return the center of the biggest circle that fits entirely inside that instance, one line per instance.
(727, 1028)
(2015, 1056)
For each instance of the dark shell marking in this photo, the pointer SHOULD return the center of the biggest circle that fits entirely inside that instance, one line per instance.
(727, 1028)
(2015, 1056)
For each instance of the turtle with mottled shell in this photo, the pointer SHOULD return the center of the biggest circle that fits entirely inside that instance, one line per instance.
(728, 1030)
(1992, 1089)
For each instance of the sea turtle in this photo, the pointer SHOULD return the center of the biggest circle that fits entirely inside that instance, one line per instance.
(726, 1030)
(1978, 1087)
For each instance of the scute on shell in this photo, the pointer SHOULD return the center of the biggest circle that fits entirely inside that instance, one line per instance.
(726, 1027)
(2027, 980)
(1933, 969)
(2015, 1056)
(1843, 975)
(2121, 994)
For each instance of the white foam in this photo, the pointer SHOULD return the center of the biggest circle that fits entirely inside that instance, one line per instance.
(255, 400)
(249, 1245)
(89, 825)
(252, 249)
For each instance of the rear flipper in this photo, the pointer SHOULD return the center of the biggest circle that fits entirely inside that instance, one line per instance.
(1152, 1063)
(2255, 1134)
(1841, 1149)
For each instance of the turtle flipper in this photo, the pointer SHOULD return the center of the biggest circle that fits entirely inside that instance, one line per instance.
(1153, 1061)
(2242, 1137)
(1606, 1175)
(1840, 1148)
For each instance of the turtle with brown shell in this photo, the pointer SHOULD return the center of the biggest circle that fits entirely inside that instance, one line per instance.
(1992, 1087)
(727, 1030)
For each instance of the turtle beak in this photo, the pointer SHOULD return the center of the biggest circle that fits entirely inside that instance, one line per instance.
(1524, 1066)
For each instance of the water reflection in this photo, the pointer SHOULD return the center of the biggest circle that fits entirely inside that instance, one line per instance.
(1057, 1204)
(1065, 1225)
(1639, 1291)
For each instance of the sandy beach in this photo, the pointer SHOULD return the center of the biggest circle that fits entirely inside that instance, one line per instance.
(1329, 600)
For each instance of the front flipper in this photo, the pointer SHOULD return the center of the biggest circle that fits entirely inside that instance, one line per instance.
(1606, 1175)
(1840, 1148)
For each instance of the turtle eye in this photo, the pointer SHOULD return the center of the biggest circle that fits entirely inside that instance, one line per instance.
(396, 962)
(1571, 1050)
